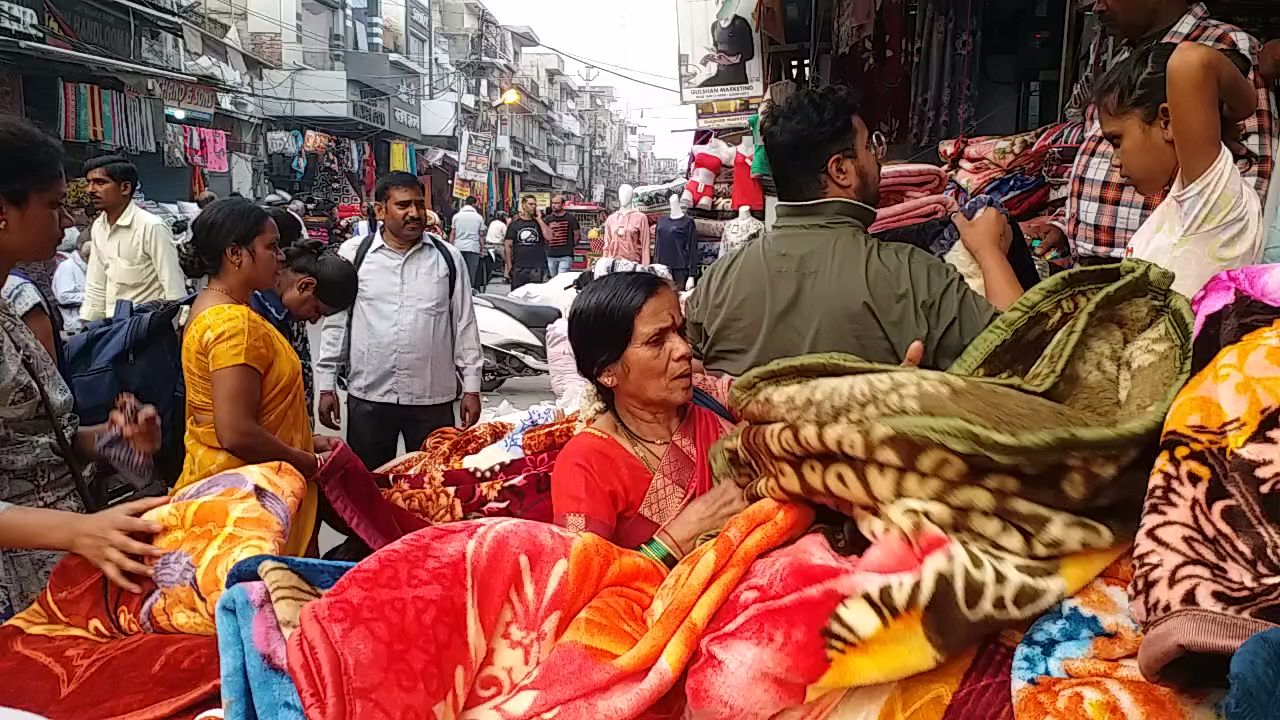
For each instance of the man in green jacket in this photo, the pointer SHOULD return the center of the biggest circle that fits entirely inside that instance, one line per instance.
(818, 281)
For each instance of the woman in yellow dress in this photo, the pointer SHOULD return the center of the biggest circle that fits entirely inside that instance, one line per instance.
(245, 398)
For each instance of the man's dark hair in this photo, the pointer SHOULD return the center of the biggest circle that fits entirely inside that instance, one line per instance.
(528, 197)
(118, 168)
(396, 181)
(802, 133)
(34, 160)
(471, 201)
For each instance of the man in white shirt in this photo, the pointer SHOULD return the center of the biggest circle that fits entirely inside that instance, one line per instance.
(467, 226)
(68, 284)
(411, 333)
(133, 255)
(495, 238)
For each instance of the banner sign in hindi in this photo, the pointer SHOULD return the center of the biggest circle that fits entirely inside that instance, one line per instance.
(477, 148)
(720, 56)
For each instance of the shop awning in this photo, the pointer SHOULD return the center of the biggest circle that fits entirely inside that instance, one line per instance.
(43, 51)
(543, 167)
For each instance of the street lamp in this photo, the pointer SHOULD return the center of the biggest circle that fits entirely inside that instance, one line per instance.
(511, 97)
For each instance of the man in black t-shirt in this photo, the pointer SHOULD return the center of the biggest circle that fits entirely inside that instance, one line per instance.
(562, 237)
(526, 245)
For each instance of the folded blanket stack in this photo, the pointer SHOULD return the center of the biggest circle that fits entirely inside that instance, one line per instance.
(909, 181)
(913, 212)
(987, 493)
(1019, 170)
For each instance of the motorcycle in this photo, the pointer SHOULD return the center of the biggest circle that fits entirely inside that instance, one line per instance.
(514, 338)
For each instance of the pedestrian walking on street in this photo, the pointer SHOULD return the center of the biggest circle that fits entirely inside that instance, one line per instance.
(410, 334)
(563, 234)
(468, 225)
(134, 257)
(493, 241)
(526, 245)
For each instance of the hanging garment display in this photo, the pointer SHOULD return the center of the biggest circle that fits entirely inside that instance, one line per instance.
(738, 232)
(315, 142)
(708, 161)
(175, 146)
(370, 168)
(947, 39)
(627, 236)
(399, 157)
(747, 189)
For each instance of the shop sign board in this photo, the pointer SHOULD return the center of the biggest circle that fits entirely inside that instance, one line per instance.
(719, 46)
(93, 24)
(21, 19)
(188, 96)
(406, 118)
(476, 152)
(727, 114)
(461, 187)
(419, 18)
(369, 111)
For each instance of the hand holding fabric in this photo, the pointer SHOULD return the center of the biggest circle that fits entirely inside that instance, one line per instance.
(707, 513)
(106, 539)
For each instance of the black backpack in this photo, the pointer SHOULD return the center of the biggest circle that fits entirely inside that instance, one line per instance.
(137, 351)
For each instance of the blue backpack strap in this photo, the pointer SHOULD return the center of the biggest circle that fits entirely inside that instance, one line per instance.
(704, 400)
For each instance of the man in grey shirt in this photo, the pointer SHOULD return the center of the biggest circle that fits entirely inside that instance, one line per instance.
(412, 333)
(467, 227)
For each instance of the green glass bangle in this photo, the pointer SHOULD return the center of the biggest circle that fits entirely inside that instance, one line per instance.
(658, 551)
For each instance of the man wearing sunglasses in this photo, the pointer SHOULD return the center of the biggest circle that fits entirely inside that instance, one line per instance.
(818, 281)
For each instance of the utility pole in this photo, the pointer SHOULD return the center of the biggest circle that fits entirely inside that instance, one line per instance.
(431, 50)
(588, 75)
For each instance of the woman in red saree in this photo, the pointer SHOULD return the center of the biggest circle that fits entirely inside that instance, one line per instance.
(638, 474)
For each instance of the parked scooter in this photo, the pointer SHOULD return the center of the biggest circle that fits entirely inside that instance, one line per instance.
(514, 337)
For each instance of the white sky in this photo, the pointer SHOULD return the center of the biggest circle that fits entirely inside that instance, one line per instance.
(629, 34)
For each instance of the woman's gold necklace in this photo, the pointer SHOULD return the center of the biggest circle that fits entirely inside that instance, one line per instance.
(640, 445)
(220, 291)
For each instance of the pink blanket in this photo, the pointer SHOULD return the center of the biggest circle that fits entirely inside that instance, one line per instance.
(914, 212)
(909, 181)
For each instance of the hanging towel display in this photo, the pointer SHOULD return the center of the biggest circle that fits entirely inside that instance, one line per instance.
(194, 148)
(213, 149)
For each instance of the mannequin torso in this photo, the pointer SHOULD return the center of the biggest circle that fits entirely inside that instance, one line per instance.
(626, 233)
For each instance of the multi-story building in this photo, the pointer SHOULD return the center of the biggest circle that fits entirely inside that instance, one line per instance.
(666, 169)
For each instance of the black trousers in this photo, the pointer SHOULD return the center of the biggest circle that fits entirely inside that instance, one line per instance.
(374, 429)
(473, 268)
(524, 276)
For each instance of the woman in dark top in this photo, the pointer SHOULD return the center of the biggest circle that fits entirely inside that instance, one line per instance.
(313, 284)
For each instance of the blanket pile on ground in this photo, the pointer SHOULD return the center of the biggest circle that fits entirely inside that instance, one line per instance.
(515, 619)
(433, 486)
(1208, 551)
(1079, 661)
(987, 494)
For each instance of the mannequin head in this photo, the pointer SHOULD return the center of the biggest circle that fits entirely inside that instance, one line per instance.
(744, 212)
(626, 194)
(677, 211)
